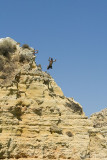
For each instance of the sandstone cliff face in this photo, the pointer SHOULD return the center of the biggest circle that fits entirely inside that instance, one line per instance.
(38, 122)
(98, 135)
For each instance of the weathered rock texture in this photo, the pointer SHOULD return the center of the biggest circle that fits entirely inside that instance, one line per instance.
(38, 122)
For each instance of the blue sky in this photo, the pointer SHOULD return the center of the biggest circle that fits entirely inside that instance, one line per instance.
(72, 31)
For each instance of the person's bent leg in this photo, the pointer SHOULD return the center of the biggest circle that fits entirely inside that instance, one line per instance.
(48, 67)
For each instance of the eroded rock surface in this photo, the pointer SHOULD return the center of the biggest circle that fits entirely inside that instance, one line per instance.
(38, 122)
(98, 135)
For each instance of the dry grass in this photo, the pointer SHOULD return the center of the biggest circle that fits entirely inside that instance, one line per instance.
(6, 48)
(11, 61)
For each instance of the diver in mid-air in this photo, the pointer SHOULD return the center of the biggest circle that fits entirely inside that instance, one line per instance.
(50, 63)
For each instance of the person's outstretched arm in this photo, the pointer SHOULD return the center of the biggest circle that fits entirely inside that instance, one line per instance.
(49, 59)
(54, 60)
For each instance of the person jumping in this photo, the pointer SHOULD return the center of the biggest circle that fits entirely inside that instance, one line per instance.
(50, 63)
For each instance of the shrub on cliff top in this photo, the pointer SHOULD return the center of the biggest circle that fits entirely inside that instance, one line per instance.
(7, 47)
(25, 46)
(23, 58)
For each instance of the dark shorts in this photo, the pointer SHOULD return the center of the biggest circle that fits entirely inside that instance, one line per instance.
(49, 67)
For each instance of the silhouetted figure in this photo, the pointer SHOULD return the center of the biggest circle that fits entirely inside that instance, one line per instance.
(50, 63)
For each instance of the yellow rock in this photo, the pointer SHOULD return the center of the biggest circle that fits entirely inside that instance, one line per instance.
(38, 122)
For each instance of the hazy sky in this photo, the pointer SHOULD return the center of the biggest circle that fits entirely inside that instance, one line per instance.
(72, 31)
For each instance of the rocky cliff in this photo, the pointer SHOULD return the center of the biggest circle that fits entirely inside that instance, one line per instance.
(36, 120)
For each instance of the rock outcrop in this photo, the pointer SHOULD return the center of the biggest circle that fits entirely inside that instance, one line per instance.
(36, 120)
(98, 135)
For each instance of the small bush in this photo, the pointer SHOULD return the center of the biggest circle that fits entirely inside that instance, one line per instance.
(6, 48)
(25, 46)
(23, 58)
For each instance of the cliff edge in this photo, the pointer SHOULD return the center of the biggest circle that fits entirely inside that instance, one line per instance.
(36, 120)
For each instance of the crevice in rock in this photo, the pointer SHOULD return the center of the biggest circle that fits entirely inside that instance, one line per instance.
(59, 121)
(38, 111)
(17, 80)
(69, 134)
(74, 106)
